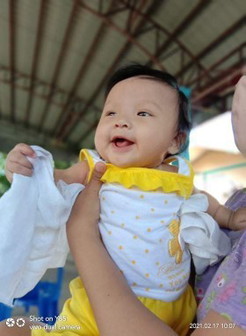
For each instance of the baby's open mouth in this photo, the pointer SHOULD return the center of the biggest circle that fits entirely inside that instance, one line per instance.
(122, 142)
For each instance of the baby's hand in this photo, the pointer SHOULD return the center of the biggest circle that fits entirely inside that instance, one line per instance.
(238, 219)
(16, 161)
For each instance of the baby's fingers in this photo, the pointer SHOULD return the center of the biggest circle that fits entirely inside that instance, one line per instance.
(15, 167)
(17, 161)
(24, 169)
(24, 149)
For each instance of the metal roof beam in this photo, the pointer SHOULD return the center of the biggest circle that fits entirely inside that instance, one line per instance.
(71, 121)
(60, 60)
(181, 28)
(117, 59)
(133, 15)
(131, 38)
(159, 29)
(12, 55)
(67, 113)
(11, 134)
(36, 56)
(23, 82)
(237, 25)
(229, 77)
(237, 50)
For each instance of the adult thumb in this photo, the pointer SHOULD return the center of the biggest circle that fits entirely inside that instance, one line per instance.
(97, 173)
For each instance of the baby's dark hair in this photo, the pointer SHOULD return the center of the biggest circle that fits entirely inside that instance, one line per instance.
(135, 70)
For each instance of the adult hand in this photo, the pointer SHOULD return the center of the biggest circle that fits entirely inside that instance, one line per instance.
(86, 210)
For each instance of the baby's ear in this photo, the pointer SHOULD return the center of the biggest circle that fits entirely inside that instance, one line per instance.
(177, 143)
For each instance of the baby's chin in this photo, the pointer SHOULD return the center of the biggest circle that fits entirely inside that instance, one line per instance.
(128, 164)
(121, 162)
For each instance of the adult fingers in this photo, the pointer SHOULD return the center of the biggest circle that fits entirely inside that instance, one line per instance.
(95, 182)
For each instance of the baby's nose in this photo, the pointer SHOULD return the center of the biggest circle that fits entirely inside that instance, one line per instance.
(121, 123)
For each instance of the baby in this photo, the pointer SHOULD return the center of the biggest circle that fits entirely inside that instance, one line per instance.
(145, 199)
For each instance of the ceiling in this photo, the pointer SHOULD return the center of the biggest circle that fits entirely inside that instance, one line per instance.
(56, 55)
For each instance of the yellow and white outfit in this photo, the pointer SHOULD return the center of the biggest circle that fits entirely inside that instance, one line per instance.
(139, 224)
(140, 227)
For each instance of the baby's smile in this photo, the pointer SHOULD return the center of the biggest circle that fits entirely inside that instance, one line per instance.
(121, 141)
(121, 144)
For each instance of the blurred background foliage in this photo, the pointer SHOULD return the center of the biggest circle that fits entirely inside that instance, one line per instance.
(4, 184)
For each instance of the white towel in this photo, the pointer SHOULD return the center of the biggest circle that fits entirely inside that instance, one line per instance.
(206, 242)
(33, 216)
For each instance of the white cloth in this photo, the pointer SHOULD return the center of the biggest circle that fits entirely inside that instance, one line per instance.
(33, 214)
(201, 234)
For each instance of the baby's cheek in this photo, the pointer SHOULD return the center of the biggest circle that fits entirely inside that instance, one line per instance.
(98, 141)
(101, 150)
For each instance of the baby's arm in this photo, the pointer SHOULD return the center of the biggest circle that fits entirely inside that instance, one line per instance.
(77, 173)
(225, 217)
(16, 162)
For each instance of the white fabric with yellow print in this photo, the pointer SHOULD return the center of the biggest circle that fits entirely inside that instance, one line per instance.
(147, 220)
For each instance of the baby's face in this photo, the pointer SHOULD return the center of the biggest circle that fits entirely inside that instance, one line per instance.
(138, 123)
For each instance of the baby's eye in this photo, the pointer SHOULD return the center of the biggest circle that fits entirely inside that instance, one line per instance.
(144, 114)
(110, 113)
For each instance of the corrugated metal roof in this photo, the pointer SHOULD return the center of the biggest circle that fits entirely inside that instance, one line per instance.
(55, 56)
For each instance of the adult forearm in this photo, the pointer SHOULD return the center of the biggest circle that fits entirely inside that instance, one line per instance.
(116, 308)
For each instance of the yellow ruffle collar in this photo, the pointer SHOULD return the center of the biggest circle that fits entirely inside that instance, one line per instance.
(146, 179)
